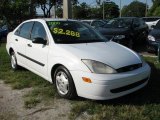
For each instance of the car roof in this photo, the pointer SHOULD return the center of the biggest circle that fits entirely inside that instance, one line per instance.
(127, 17)
(49, 19)
(152, 17)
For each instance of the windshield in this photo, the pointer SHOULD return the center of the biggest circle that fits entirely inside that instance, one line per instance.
(157, 25)
(119, 23)
(70, 32)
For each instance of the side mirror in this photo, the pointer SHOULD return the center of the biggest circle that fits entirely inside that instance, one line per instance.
(39, 40)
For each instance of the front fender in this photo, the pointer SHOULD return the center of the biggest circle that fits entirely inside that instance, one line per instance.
(71, 64)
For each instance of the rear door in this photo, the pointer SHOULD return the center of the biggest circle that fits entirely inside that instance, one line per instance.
(37, 53)
(21, 37)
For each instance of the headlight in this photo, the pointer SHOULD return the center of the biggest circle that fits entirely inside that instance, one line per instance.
(151, 38)
(119, 36)
(98, 67)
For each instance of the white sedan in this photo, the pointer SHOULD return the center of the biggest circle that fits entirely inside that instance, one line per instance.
(78, 59)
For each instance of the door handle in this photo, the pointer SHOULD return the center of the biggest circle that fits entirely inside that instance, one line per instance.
(16, 39)
(29, 45)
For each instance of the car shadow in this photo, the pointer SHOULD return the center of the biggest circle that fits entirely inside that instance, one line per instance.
(150, 94)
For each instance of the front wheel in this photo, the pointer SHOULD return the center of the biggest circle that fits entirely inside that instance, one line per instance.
(64, 83)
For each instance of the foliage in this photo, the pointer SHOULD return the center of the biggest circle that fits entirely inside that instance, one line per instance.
(111, 9)
(157, 12)
(134, 9)
(154, 10)
(14, 11)
(59, 12)
(46, 5)
(81, 11)
(84, 11)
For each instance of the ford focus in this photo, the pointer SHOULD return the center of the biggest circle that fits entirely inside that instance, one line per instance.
(77, 59)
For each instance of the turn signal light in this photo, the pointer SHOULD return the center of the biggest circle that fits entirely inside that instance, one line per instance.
(88, 80)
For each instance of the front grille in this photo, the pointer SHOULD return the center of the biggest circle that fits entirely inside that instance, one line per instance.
(129, 68)
(133, 85)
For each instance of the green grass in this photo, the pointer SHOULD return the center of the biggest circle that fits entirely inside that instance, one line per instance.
(141, 105)
(23, 78)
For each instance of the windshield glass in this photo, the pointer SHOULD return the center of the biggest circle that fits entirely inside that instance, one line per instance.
(157, 25)
(70, 32)
(119, 23)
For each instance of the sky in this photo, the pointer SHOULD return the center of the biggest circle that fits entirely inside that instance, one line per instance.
(124, 2)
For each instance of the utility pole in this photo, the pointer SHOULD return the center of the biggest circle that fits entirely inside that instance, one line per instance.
(146, 9)
(120, 5)
(67, 9)
(103, 11)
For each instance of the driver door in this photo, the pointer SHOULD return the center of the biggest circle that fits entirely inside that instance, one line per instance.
(37, 53)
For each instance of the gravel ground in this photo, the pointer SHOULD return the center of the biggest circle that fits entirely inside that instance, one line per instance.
(12, 106)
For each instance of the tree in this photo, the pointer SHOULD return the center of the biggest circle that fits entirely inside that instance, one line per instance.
(81, 11)
(157, 11)
(59, 12)
(111, 10)
(15, 11)
(134, 9)
(46, 5)
(84, 11)
(154, 10)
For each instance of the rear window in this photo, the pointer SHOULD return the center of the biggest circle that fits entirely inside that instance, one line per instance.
(24, 30)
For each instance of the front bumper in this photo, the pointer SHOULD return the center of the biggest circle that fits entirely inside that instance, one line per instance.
(102, 85)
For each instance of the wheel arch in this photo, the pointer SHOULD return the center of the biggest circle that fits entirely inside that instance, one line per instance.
(10, 50)
(54, 67)
(53, 70)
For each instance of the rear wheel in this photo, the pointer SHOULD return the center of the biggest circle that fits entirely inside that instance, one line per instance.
(14, 64)
(64, 83)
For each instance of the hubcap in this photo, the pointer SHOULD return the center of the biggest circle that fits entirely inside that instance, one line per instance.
(62, 83)
(13, 61)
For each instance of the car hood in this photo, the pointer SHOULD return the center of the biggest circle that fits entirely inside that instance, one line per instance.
(156, 34)
(110, 53)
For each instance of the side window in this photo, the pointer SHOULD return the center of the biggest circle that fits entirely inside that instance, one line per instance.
(26, 29)
(17, 31)
(38, 31)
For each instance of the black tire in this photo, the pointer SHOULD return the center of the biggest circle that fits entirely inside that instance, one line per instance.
(64, 83)
(14, 64)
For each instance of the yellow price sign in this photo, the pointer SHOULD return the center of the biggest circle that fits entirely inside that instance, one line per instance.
(54, 23)
(66, 32)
